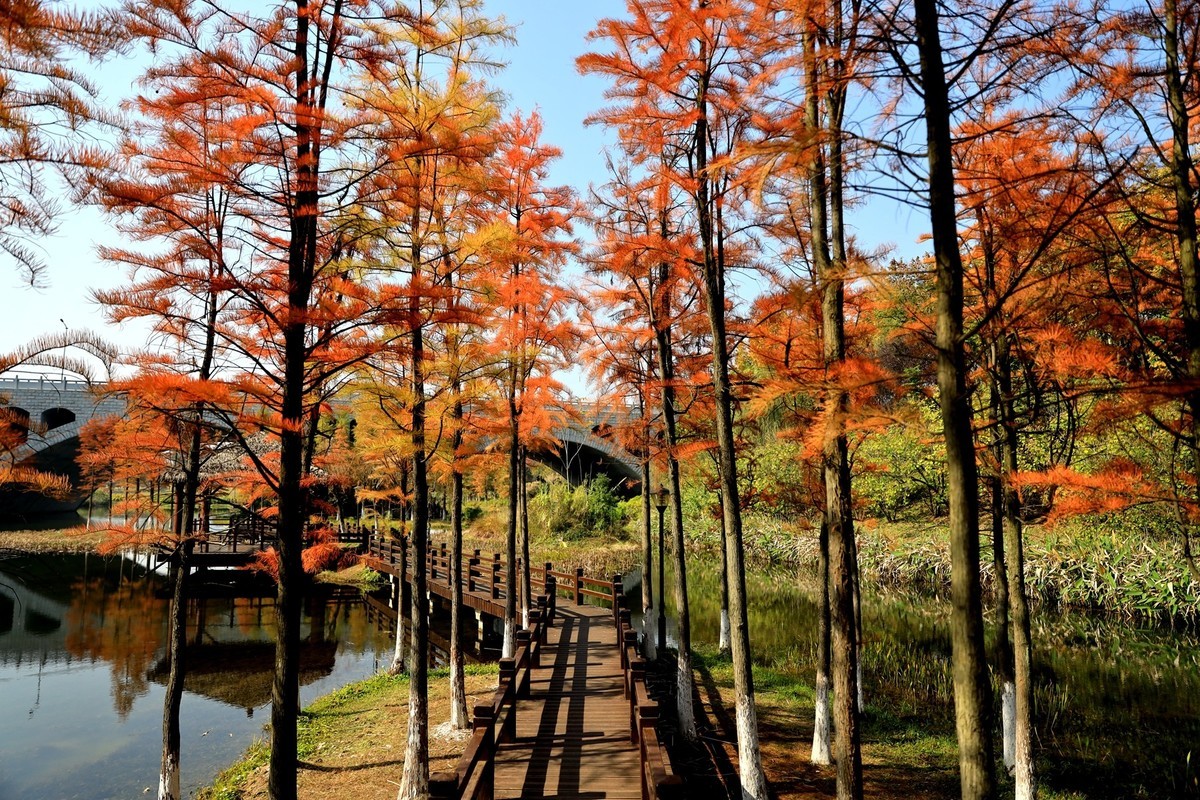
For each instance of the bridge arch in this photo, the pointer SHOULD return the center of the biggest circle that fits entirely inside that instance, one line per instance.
(46, 413)
(587, 447)
(57, 417)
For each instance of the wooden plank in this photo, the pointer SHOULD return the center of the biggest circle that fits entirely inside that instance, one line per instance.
(572, 737)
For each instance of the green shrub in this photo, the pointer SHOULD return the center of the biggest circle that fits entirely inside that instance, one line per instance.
(573, 514)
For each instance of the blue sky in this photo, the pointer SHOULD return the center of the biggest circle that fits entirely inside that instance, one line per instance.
(541, 74)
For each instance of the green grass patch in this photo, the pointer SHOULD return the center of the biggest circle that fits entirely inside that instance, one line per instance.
(230, 783)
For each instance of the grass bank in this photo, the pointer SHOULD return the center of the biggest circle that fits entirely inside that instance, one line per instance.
(351, 741)
(54, 541)
(907, 751)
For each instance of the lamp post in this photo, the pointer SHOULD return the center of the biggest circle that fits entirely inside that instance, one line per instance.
(660, 501)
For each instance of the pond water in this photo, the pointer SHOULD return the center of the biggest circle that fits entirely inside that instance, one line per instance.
(82, 673)
(1117, 705)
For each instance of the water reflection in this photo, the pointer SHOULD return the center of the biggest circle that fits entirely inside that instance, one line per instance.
(83, 663)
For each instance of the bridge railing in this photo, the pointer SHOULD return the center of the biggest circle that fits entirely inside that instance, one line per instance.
(577, 584)
(249, 532)
(487, 574)
(659, 780)
(495, 723)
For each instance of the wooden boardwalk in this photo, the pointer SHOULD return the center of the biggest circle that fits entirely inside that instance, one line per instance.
(572, 718)
(572, 731)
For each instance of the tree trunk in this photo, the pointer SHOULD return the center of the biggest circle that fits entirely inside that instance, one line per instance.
(184, 528)
(821, 753)
(1004, 653)
(399, 663)
(509, 645)
(1182, 167)
(647, 561)
(414, 783)
(972, 688)
(459, 718)
(684, 682)
(725, 636)
(1022, 650)
(168, 776)
(753, 780)
(526, 583)
(168, 781)
(839, 523)
(293, 497)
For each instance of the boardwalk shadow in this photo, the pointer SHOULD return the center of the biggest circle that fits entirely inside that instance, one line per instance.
(546, 740)
(705, 764)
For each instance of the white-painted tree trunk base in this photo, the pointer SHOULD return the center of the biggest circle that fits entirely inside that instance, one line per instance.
(509, 646)
(1024, 778)
(414, 783)
(725, 642)
(414, 788)
(168, 779)
(525, 618)
(821, 753)
(858, 681)
(460, 718)
(754, 780)
(684, 690)
(1008, 724)
(399, 660)
(1026, 784)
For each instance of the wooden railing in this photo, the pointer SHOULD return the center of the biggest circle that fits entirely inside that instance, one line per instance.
(250, 532)
(244, 533)
(495, 723)
(487, 575)
(659, 781)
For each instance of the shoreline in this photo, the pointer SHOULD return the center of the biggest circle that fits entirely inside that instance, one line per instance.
(51, 542)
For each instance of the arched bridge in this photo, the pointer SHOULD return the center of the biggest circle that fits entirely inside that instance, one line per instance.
(46, 414)
(588, 447)
(43, 415)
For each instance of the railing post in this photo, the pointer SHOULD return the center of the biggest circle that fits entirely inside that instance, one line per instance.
(508, 674)
(543, 617)
(496, 577)
(579, 586)
(472, 563)
(617, 591)
(525, 640)
(646, 715)
(443, 786)
(485, 720)
(537, 634)
(551, 598)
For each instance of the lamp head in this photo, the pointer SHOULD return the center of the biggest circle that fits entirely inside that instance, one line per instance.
(660, 498)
